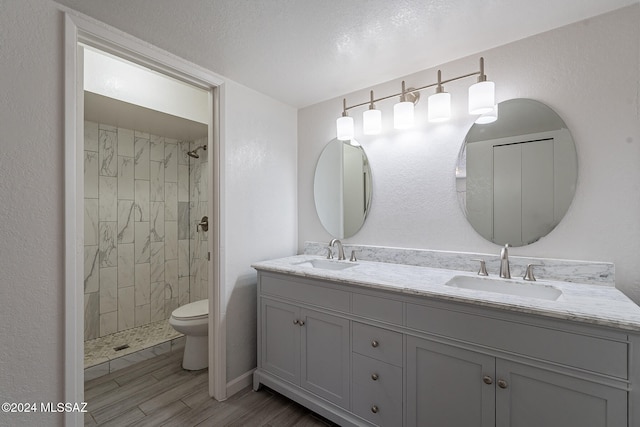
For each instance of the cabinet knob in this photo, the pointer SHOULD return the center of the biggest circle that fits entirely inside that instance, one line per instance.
(301, 322)
(374, 377)
(502, 384)
(374, 343)
(295, 322)
(487, 379)
(374, 409)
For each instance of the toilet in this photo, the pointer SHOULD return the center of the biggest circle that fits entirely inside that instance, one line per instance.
(193, 321)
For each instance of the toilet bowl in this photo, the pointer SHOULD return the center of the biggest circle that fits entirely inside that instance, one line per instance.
(193, 321)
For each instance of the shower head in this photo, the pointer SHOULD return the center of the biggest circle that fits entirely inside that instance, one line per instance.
(194, 153)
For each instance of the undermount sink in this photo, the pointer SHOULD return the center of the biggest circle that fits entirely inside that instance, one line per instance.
(506, 287)
(326, 264)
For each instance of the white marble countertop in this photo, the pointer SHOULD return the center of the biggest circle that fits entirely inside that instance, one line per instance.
(591, 304)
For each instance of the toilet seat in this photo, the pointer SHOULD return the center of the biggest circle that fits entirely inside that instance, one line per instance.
(192, 311)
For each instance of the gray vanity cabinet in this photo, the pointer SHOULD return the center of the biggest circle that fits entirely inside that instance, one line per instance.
(445, 386)
(448, 385)
(528, 396)
(366, 357)
(307, 348)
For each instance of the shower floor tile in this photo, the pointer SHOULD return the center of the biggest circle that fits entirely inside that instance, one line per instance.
(102, 349)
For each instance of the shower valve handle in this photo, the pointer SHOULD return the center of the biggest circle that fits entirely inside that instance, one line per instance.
(204, 223)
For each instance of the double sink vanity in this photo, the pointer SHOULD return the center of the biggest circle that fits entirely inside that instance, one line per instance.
(391, 344)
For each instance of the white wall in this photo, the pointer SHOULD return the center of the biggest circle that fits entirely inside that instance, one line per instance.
(260, 207)
(261, 153)
(588, 72)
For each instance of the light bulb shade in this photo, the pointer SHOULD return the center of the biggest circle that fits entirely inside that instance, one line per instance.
(371, 122)
(439, 107)
(403, 115)
(482, 97)
(489, 117)
(344, 127)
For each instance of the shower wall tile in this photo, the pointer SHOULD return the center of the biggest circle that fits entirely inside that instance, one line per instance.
(142, 199)
(171, 279)
(138, 219)
(183, 148)
(125, 178)
(157, 301)
(183, 258)
(156, 148)
(107, 152)
(108, 198)
(90, 136)
(157, 262)
(125, 221)
(107, 244)
(102, 126)
(171, 240)
(108, 289)
(141, 156)
(143, 314)
(126, 317)
(142, 242)
(92, 316)
(183, 183)
(183, 290)
(170, 161)
(142, 284)
(170, 201)
(126, 265)
(90, 174)
(156, 174)
(90, 222)
(125, 143)
(156, 221)
(183, 221)
(169, 306)
(91, 267)
(108, 323)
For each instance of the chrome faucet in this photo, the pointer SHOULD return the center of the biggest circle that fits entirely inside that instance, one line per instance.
(504, 263)
(340, 248)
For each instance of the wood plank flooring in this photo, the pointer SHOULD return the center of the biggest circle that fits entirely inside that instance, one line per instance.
(158, 392)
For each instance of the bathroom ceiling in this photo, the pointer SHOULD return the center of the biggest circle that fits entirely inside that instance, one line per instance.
(306, 51)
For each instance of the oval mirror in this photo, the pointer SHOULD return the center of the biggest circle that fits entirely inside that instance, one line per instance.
(516, 176)
(342, 188)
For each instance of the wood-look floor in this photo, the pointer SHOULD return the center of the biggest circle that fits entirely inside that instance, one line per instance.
(158, 392)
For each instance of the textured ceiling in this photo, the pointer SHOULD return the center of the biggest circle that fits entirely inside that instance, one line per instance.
(306, 51)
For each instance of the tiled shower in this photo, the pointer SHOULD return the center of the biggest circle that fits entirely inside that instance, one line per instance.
(144, 254)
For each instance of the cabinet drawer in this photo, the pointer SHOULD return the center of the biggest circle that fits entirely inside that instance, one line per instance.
(372, 405)
(587, 352)
(377, 308)
(381, 376)
(313, 294)
(378, 343)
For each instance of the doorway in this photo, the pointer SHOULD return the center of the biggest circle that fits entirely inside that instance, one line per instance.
(81, 30)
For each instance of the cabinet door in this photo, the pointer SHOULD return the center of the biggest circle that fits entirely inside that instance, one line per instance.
(446, 387)
(325, 356)
(281, 340)
(533, 397)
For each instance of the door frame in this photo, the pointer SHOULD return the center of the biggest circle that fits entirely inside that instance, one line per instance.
(81, 29)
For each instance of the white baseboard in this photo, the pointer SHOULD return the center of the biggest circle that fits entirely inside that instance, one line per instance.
(237, 384)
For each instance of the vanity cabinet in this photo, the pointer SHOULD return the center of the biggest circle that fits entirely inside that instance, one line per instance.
(369, 357)
(442, 379)
(307, 348)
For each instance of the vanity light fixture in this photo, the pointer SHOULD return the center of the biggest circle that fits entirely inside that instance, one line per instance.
(439, 109)
(372, 119)
(481, 101)
(344, 125)
(403, 111)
